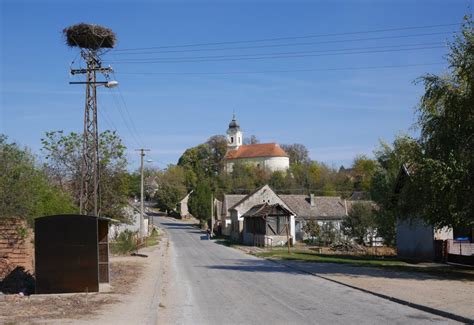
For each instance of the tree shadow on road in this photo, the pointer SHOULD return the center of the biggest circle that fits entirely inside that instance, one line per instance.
(257, 265)
(332, 269)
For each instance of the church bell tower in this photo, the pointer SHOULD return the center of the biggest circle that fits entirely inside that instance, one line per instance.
(234, 135)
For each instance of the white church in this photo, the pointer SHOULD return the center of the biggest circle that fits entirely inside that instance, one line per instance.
(269, 156)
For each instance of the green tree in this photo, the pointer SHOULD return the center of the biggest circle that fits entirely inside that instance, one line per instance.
(63, 165)
(171, 187)
(312, 229)
(200, 202)
(360, 222)
(277, 181)
(24, 188)
(441, 187)
(204, 160)
(389, 160)
(363, 171)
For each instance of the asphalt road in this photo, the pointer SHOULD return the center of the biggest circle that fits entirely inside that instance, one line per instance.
(214, 284)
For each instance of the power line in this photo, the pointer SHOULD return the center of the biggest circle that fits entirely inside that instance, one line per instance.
(281, 45)
(128, 113)
(291, 37)
(279, 53)
(279, 56)
(124, 118)
(285, 71)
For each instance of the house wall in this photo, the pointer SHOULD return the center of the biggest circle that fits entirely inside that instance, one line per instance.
(115, 229)
(16, 246)
(183, 207)
(415, 240)
(270, 163)
(226, 226)
(257, 240)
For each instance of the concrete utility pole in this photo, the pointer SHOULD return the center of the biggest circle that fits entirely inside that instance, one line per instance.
(142, 220)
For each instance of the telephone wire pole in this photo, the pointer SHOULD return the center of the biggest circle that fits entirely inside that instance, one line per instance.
(142, 220)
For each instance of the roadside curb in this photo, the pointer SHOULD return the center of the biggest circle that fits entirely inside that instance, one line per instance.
(431, 310)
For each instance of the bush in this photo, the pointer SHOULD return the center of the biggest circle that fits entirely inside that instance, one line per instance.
(125, 243)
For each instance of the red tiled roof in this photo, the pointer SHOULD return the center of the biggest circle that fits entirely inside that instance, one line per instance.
(256, 150)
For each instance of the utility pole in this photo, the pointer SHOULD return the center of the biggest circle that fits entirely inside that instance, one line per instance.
(91, 39)
(142, 220)
(89, 202)
(212, 213)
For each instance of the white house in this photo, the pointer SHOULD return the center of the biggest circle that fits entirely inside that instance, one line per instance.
(264, 155)
(183, 206)
(225, 219)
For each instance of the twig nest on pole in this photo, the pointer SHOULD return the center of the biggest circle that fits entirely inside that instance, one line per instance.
(89, 36)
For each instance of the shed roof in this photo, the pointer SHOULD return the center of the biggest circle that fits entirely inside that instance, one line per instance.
(265, 209)
(256, 151)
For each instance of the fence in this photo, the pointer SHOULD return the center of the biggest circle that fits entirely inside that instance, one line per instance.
(460, 252)
(458, 247)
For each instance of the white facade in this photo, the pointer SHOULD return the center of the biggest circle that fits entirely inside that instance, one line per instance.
(272, 164)
(234, 138)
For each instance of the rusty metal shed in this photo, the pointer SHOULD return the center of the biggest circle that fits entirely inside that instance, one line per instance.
(71, 253)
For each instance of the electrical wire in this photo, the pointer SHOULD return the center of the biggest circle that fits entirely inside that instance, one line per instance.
(278, 45)
(278, 57)
(292, 37)
(119, 108)
(285, 71)
(128, 114)
(281, 53)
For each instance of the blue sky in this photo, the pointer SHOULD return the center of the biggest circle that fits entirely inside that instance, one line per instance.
(337, 114)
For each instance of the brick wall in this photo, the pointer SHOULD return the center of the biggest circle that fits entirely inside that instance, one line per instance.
(16, 246)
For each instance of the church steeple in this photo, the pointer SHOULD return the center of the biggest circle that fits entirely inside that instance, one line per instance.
(234, 135)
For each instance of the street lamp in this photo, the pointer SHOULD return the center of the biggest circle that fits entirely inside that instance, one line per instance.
(111, 84)
(107, 84)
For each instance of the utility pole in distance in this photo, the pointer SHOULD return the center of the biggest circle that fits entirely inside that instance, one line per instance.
(142, 220)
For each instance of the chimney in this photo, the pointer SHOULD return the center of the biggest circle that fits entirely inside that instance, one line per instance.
(345, 206)
(311, 200)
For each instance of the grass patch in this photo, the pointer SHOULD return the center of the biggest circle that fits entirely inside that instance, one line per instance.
(223, 240)
(154, 238)
(307, 256)
(389, 263)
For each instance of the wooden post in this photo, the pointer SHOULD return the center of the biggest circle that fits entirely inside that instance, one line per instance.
(288, 235)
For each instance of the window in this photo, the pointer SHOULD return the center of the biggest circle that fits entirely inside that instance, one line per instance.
(231, 139)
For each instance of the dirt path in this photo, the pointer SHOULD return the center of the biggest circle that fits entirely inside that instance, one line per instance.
(141, 305)
(133, 297)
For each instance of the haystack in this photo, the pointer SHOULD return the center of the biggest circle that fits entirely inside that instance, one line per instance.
(89, 36)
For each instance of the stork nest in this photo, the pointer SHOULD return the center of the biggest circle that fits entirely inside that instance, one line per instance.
(89, 36)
